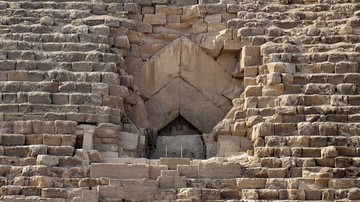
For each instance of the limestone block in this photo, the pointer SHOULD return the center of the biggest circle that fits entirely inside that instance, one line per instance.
(329, 152)
(12, 139)
(161, 72)
(51, 139)
(250, 183)
(250, 71)
(189, 171)
(322, 89)
(47, 160)
(346, 67)
(273, 90)
(346, 89)
(281, 67)
(228, 143)
(10, 190)
(273, 78)
(60, 98)
(354, 194)
(23, 127)
(129, 141)
(210, 145)
(250, 194)
(210, 115)
(212, 18)
(341, 183)
(253, 91)
(155, 19)
(122, 42)
(218, 170)
(162, 113)
(294, 194)
(199, 28)
(40, 127)
(268, 194)
(238, 129)
(39, 98)
(54, 193)
(61, 150)
(100, 88)
(20, 151)
(155, 170)
(166, 182)
(250, 56)
(328, 129)
(119, 171)
(165, 194)
(190, 194)
(144, 27)
(106, 130)
(35, 150)
(172, 163)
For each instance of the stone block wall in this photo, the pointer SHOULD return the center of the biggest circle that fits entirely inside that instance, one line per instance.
(84, 82)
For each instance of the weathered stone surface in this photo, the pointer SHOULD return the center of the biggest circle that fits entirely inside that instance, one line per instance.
(119, 171)
(191, 146)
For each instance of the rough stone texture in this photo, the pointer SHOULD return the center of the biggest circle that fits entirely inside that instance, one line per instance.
(271, 86)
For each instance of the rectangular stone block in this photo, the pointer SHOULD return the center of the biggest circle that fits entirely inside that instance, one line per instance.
(155, 171)
(188, 171)
(12, 139)
(172, 163)
(41, 127)
(22, 127)
(51, 139)
(155, 19)
(250, 183)
(39, 98)
(219, 170)
(65, 127)
(120, 171)
(47, 160)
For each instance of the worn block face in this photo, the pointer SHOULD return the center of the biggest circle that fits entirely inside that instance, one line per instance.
(179, 100)
(120, 171)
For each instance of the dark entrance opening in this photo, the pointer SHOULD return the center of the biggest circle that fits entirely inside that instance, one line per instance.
(179, 138)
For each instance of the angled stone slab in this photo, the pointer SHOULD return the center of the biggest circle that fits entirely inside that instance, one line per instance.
(197, 109)
(202, 71)
(163, 107)
(160, 70)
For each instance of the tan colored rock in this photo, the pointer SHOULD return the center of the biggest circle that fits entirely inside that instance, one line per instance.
(155, 19)
(227, 144)
(329, 152)
(47, 160)
(119, 171)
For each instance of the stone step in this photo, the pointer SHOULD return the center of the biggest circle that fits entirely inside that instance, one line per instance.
(48, 47)
(69, 56)
(29, 65)
(300, 151)
(312, 141)
(323, 129)
(54, 13)
(335, 162)
(303, 194)
(58, 38)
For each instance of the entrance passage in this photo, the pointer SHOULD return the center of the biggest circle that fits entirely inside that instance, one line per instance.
(179, 137)
(186, 93)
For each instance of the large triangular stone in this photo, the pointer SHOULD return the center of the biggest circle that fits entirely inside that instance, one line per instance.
(202, 71)
(197, 109)
(160, 70)
(163, 107)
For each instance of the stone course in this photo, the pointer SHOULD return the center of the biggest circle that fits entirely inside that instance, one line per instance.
(271, 85)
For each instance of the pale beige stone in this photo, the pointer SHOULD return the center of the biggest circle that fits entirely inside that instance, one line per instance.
(119, 171)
